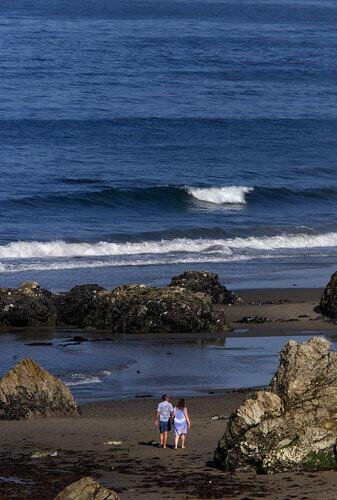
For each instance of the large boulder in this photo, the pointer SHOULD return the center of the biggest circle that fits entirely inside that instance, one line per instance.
(293, 424)
(28, 305)
(86, 489)
(328, 302)
(205, 282)
(145, 309)
(74, 306)
(27, 391)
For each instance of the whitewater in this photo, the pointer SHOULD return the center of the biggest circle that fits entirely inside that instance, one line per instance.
(221, 195)
(60, 255)
(36, 249)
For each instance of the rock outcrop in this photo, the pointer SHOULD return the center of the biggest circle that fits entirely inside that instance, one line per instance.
(293, 424)
(28, 305)
(328, 302)
(205, 282)
(27, 391)
(86, 489)
(74, 306)
(145, 309)
(193, 306)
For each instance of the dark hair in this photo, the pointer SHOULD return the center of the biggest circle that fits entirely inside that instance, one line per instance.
(181, 404)
(164, 397)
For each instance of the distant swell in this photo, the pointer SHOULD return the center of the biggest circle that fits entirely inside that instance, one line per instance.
(173, 197)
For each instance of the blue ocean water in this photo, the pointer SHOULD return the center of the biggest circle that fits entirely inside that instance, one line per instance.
(140, 138)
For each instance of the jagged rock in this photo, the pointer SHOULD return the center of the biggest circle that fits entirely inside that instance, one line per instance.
(28, 305)
(293, 424)
(205, 282)
(144, 309)
(28, 391)
(328, 302)
(86, 489)
(74, 306)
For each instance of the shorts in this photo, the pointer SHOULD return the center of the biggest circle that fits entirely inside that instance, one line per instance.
(164, 426)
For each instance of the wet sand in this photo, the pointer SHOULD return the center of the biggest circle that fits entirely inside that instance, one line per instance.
(137, 468)
(288, 311)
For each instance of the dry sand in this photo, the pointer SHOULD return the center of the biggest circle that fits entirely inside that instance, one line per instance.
(138, 469)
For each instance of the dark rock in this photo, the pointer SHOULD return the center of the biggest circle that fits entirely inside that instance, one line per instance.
(28, 305)
(328, 302)
(205, 282)
(78, 339)
(28, 391)
(74, 306)
(40, 344)
(292, 425)
(144, 309)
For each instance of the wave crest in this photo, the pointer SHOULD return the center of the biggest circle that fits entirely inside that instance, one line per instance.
(221, 195)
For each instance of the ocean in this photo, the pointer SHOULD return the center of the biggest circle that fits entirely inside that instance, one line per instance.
(141, 138)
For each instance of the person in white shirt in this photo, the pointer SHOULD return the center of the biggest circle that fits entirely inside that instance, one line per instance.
(163, 417)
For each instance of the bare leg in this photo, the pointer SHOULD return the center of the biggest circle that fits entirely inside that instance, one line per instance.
(161, 439)
(176, 441)
(165, 439)
(183, 440)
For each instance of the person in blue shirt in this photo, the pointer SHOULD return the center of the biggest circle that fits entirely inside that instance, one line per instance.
(163, 417)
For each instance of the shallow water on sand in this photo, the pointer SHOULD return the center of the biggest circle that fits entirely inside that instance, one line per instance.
(124, 368)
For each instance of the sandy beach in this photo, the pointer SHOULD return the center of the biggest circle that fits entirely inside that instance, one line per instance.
(137, 469)
(134, 465)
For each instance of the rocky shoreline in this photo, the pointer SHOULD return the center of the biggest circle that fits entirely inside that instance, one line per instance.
(192, 302)
(290, 428)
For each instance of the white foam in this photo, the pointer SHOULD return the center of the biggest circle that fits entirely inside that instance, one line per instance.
(34, 256)
(83, 380)
(52, 249)
(61, 249)
(221, 195)
(75, 264)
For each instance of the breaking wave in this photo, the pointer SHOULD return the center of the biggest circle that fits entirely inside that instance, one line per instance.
(173, 196)
(170, 196)
(57, 255)
(60, 249)
(221, 195)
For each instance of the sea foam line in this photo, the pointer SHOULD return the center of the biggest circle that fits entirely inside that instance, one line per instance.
(62, 249)
(75, 264)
